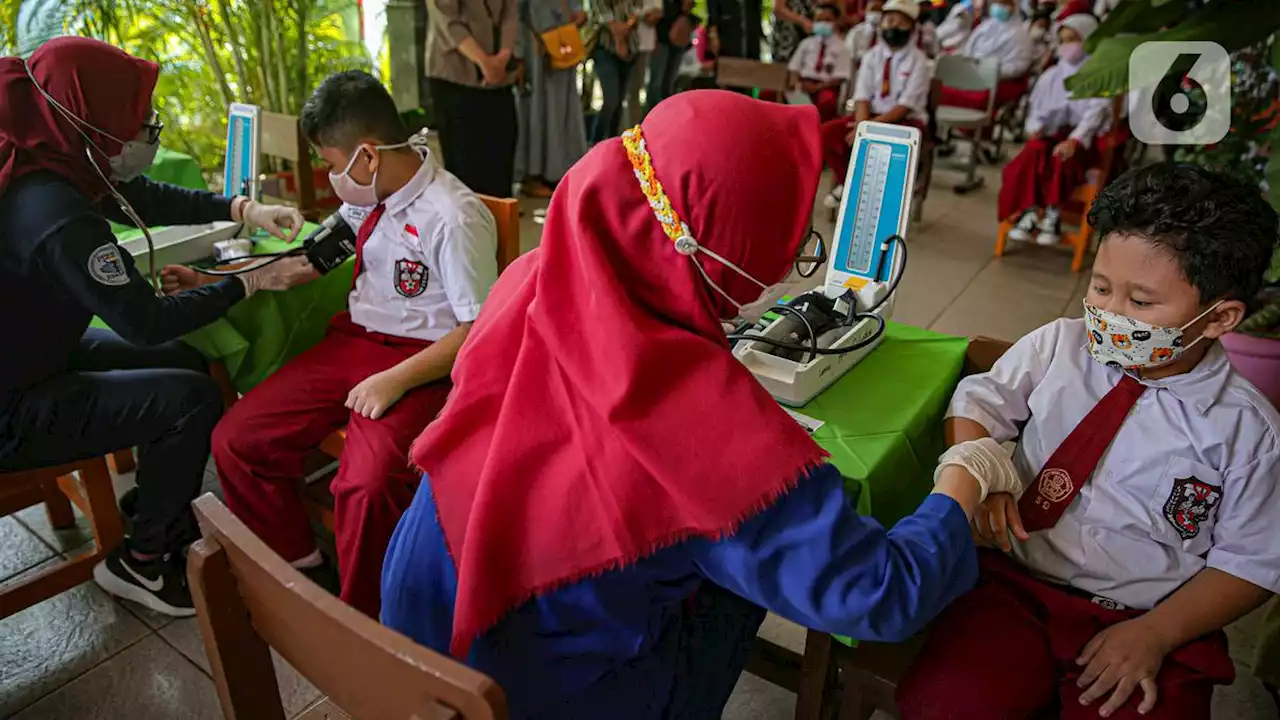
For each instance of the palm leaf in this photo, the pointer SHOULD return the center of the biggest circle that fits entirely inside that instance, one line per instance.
(1136, 17)
(1233, 25)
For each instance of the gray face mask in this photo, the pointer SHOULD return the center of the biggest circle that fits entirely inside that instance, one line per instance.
(134, 159)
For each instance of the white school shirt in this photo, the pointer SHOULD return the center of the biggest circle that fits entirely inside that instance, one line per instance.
(1007, 40)
(956, 28)
(430, 261)
(1139, 529)
(647, 35)
(835, 59)
(859, 40)
(1052, 108)
(908, 80)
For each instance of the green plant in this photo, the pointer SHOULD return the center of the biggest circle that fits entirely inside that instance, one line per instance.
(1250, 31)
(269, 53)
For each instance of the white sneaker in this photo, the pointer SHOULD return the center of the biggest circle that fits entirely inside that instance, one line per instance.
(833, 198)
(1021, 231)
(1050, 228)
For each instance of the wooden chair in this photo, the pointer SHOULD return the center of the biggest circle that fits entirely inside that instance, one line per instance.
(282, 138)
(1076, 212)
(860, 680)
(57, 488)
(249, 600)
(506, 215)
(745, 74)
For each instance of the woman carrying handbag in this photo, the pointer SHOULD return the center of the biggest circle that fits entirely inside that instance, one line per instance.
(552, 133)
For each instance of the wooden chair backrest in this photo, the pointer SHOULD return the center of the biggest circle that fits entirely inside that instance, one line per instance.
(282, 138)
(1113, 141)
(748, 74)
(249, 598)
(983, 353)
(506, 215)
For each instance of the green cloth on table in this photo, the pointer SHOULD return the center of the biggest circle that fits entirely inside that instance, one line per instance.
(884, 420)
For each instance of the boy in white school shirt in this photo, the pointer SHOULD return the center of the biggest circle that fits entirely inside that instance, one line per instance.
(892, 87)
(1149, 518)
(426, 251)
(821, 64)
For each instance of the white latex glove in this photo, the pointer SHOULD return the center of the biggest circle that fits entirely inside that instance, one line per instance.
(279, 275)
(987, 462)
(272, 218)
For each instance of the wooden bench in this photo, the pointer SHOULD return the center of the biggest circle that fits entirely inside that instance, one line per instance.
(249, 600)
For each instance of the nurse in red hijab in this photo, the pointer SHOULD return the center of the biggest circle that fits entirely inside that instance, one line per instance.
(603, 456)
(77, 130)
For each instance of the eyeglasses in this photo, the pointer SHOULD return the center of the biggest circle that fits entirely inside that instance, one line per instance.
(807, 265)
(153, 127)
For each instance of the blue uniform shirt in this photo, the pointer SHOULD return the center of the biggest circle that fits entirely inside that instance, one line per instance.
(606, 647)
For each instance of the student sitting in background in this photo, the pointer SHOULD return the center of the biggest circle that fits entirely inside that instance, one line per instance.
(927, 34)
(425, 260)
(959, 25)
(892, 87)
(821, 65)
(863, 35)
(1040, 28)
(1002, 36)
(1062, 136)
(1148, 524)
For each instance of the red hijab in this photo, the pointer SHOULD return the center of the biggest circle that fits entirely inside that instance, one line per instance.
(100, 84)
(597, 413)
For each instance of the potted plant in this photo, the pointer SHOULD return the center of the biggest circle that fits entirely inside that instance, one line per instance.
(1254, 348)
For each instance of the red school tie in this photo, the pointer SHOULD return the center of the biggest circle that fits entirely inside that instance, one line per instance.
(886, 77)
(1073, 463)
(822, 55)
(362, 236)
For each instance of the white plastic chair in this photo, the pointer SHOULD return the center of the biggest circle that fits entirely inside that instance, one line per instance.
(965, 73)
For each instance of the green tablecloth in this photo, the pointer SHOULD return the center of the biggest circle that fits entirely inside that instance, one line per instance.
(884, 419)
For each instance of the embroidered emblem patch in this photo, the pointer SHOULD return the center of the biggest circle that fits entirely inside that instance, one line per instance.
(107, 267)
(411, 278)
(1055, 485)
(1189, 504)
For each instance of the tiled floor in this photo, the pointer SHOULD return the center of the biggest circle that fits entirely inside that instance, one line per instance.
(85, 655)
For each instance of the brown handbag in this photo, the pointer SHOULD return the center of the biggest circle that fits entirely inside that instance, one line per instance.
(564, 44)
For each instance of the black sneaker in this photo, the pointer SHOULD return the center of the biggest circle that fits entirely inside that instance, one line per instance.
(325, 575)
(159, 584)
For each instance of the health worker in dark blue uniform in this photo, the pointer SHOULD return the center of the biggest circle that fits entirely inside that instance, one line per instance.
(77, 130)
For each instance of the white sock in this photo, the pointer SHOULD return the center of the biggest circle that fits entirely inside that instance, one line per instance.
(313, 560)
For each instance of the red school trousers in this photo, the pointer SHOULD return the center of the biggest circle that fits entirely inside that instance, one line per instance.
(1006, 92)
(1035, 178)
(836, 149)
(1007, 650)
(261, 444)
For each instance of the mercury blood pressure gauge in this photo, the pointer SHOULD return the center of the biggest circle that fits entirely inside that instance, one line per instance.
(865, 264)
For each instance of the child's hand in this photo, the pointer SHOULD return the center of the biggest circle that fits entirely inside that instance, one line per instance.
(995, 517)
(376, 394)
(1125, 656)
(1065, 149)
(180, 278)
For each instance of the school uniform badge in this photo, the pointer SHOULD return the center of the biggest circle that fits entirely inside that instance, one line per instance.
(1189, 504)
(411, 277)
(107, 266)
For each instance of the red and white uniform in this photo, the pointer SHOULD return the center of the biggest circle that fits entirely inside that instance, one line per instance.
(425, 266)
(824, 59)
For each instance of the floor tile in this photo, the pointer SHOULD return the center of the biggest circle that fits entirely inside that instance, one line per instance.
(65, 540)
(756, 699)
(19, 548)
(783, 632)
(295, 691)
(48, 644)
(149, 681)
(323, 709)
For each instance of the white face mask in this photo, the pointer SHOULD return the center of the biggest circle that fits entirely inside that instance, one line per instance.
(1120, 341)
(353, 193)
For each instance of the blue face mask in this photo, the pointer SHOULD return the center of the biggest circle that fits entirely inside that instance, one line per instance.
(822, 28)
(1001, 12)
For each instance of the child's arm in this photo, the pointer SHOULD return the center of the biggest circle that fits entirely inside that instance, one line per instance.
(997, 401)
(374, 395)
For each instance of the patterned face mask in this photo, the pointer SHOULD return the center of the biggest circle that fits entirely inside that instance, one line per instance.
(1120, 341)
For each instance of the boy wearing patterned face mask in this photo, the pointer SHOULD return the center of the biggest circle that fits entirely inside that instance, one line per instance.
(1062, 134)
(425, 259)
(1147, 520)
(820, 65)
